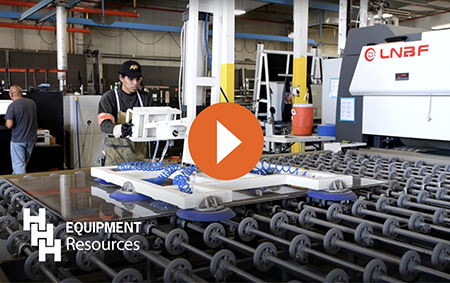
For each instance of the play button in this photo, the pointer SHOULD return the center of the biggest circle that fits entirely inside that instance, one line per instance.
(226, 141)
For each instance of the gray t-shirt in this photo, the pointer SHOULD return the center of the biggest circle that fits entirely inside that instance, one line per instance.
(23, 113)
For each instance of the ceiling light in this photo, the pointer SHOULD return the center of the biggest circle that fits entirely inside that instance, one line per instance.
(239, 12)
(417, 8)
(440, 4)
(444, 26)
(397, 12)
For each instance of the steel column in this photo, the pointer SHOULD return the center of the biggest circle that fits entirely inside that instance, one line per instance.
(61, 32)
(363, 13)
(227, 68)
(342, 37)
(190, 72)
(300, 56)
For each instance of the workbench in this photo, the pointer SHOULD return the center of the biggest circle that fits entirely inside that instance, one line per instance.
(291, 139)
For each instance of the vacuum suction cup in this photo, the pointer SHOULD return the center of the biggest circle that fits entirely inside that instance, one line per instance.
(332, 195)
(104, 183)
(128, 197)
(206, 216)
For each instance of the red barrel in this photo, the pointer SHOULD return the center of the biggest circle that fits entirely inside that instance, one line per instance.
(302, 119)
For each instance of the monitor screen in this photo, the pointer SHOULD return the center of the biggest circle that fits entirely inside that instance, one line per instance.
(4, 106)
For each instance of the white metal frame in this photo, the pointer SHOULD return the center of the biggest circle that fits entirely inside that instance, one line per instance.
(204, 186)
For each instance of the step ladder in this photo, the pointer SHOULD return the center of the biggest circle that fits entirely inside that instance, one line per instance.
(262, 60)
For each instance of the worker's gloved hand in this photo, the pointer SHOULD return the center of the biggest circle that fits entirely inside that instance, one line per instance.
(123, 130)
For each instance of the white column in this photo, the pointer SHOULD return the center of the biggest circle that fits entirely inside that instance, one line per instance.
(342, 37)
(227, 52)
(300, 48)
(61, 37)
(190, 70)
(216, 50)
(301, 8)
(363, 13)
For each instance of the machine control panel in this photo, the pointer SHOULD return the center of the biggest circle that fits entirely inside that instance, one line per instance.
(402, 76)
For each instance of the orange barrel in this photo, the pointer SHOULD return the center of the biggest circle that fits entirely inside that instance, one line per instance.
(302, 119)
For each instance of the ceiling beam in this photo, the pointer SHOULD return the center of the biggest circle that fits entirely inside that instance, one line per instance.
(51, 13)
(312, 4)
(139, 26)
(34, 9)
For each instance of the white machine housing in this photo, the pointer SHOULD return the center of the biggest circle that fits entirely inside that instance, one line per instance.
(43, 137)
(89, 136)
(405, 95)
(156, 123)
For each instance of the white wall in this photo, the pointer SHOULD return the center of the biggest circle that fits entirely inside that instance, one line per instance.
(24, 39)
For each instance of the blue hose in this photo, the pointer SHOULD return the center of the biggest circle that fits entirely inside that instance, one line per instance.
(181, 180)
(141, 165)
(266, 169)
(164, 175)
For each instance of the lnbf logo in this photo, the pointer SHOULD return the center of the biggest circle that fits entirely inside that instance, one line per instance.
(41, 234)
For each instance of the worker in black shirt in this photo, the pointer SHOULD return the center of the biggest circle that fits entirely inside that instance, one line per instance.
(111, 117)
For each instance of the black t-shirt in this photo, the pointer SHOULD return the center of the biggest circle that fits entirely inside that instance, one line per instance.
(24, 114)
(108, 104)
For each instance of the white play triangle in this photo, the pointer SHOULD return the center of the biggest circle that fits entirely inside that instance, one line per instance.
(226, 142)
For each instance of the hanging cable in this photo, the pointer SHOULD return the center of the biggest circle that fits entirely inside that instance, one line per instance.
(429, 110)
(164, 150)
(89, 132)
(180, 74)
(207, 51)
(78, 135)
(154, 154)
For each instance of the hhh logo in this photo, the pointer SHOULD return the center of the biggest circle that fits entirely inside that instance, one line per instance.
(41, 234)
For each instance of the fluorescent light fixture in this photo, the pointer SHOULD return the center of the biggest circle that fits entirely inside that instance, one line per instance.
(444, 26)
(239, 12)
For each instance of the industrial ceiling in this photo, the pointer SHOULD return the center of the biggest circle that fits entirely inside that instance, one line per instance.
(281, 10)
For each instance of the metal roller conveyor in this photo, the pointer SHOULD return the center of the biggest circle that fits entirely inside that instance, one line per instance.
(222, 264)
(300, 248)
(18, 242)
(264, 256)
(89, 260)
(417, 220)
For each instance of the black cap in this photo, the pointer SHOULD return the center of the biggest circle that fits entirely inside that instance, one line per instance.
(131, 69)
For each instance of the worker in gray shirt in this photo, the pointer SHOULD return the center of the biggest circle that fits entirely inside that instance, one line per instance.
(111, 117)
(21, 117)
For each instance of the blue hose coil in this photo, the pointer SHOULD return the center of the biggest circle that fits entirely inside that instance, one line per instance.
(267, 169)
(141, 165)
(181, 180)
(164, 175)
